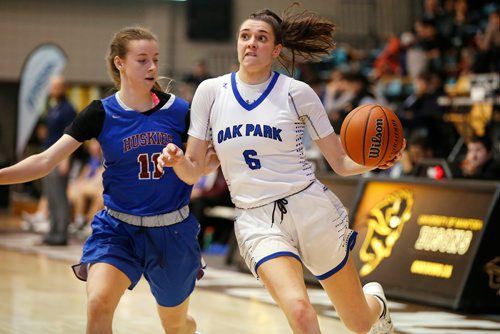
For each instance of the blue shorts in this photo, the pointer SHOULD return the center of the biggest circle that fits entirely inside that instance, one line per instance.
(169, 257)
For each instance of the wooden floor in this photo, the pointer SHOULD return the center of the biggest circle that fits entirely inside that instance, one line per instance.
(39, 294)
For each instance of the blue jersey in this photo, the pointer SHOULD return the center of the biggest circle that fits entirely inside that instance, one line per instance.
(131, 143)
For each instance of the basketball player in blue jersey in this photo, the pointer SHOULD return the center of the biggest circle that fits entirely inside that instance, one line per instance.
(286, 218)
(146, 228)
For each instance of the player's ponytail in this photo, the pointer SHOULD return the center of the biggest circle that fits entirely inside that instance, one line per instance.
(305, 36)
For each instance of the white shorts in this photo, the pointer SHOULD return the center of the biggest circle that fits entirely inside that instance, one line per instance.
(314, 230)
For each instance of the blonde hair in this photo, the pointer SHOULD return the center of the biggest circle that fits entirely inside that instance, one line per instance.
(304, 34)
(119, 47)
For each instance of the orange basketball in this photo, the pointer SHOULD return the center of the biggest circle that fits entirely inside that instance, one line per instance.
(371, 135)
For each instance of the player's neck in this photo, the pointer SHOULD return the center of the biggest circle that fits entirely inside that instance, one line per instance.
(253, 78)
(137, 101)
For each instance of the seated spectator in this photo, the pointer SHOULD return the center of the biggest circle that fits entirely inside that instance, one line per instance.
(37, 221)
(358, 87)
(419, 148)
(85, 192)
(420, 114)
(488, 57)
(479, 162)
(388, 61)
(211, 191)
(337, 97)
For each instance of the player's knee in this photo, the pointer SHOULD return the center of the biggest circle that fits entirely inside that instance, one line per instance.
(302, 314)
(100, 305)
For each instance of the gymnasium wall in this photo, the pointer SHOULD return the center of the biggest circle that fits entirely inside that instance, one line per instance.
(83, 29)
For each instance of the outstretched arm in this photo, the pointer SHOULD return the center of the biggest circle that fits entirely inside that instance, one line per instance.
(334, 153)
(39, 165)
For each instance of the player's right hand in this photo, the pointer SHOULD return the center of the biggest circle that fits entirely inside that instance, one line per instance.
(170, 156)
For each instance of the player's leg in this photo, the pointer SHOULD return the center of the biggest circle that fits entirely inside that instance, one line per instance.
(283, 278)
(358, 311)
(328, 247)
(105, 286)
(172, 263)
(175, 320)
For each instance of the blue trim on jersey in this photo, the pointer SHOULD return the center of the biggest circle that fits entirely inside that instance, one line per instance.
(350, 244)
(257, 102)
(275, 255)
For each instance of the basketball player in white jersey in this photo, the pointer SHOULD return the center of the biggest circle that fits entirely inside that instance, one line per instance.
(286, 218)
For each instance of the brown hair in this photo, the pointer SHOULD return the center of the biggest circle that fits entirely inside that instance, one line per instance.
(304, 34)
(119, 47)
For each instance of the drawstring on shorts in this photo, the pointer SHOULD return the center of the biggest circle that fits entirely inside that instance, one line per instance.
(281, 204)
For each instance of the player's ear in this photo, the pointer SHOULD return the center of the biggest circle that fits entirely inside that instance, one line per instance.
(118, 62)
(277, 50)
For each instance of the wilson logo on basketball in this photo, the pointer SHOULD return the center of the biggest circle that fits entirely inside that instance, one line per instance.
(371, 135)
(376, 140)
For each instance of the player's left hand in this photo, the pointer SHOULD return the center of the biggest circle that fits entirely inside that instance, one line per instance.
(388, 164)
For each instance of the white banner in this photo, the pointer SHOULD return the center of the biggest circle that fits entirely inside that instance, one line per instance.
(41, 64)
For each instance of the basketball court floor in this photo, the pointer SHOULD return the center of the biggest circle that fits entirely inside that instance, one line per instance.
(39, 294)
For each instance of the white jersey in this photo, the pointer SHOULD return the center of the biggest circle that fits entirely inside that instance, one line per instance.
(257, 132)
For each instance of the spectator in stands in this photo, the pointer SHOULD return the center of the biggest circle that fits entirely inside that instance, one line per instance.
(460, 78)
(37, 221)
(184, 91)
(414, 59)
(388, 62)
(488, 56)
(419, 148)
(464, 25)
(411, 59)
(85, 192)
(198, 74)
(358, 87)
(60, 114)
(479, 162)
(432, 9)
(421, 114)
(336, 95)
(431, 43)
(210, 191)
(442, 14)
(361, 89)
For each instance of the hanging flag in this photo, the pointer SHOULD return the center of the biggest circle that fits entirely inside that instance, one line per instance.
(41, 64)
